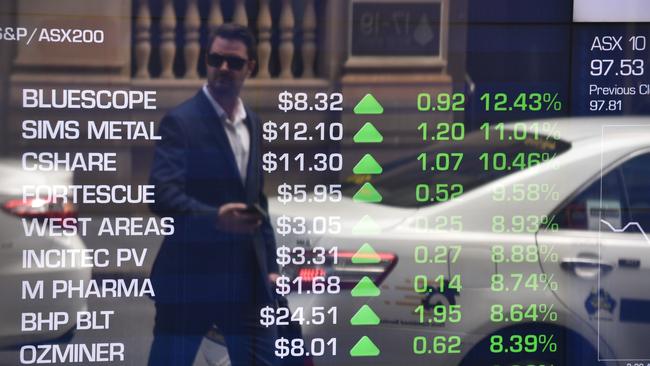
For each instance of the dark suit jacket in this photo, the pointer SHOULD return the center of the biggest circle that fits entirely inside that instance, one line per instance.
(194, 172)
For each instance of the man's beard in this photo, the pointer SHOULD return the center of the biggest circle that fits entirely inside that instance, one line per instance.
(223, 85)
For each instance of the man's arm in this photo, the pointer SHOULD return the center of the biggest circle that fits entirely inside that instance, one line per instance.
(169, 174)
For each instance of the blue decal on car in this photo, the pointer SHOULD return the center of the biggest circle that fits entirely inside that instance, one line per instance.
(600, 302)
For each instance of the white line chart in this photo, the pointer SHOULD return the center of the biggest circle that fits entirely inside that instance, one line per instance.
(605, 326)
(624, 229)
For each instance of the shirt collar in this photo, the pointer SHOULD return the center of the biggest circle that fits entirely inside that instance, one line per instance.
(239, 114)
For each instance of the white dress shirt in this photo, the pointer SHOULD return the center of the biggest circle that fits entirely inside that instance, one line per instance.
(237, 132)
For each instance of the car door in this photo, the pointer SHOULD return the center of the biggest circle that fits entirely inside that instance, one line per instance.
(602, 260)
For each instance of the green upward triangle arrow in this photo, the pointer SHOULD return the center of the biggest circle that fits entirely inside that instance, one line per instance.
(365, 288)
(366, 255)
(367, 165)
(365, 316)
(368, 105)
(366, 226)
(364, 348)
(367, 193)
(368, 134)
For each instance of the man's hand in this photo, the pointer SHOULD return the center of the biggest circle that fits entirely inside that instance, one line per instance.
(273, 277)
(234, 218)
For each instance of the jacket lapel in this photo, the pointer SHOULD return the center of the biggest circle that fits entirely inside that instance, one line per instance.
(215, 125)
(252, 176)
(252, 189)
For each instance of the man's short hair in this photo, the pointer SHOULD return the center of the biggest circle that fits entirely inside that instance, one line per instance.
(237, 32)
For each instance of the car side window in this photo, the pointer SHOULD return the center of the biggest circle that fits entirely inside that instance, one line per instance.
(583, 212)
(625, 198)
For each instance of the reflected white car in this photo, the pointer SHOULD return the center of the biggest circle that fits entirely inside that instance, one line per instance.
(544, 238)
(13, 242)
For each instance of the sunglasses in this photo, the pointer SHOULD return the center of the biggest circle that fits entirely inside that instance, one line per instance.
(234, 62)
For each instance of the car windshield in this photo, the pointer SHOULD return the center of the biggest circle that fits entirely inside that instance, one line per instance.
(466, 164)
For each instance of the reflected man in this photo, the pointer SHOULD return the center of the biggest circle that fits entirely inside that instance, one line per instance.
(218, 266)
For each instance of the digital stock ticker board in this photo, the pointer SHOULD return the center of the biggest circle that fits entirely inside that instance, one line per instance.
(325, 182)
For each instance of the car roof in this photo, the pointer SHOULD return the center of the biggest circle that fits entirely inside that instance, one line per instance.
(581, 128)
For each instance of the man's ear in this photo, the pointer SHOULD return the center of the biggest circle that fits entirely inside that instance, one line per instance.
(251, 66)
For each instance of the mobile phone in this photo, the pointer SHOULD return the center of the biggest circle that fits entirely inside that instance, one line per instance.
(256, 208)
